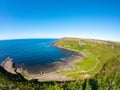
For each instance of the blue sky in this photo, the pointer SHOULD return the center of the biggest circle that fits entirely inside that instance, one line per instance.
(98, 19)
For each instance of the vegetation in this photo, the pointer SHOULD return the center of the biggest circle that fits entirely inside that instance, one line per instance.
(97, 53)
(99, 70)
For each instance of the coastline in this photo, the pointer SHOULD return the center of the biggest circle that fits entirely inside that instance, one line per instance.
(63, 65)
(71, 50)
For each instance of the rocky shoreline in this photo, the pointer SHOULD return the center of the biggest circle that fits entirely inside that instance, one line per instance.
(58, 66)
(50, 73)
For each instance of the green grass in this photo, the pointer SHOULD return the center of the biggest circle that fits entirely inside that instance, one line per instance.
(83, 67)
(96, 55)
(88, 62)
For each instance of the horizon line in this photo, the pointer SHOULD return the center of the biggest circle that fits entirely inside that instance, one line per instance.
(56, 38)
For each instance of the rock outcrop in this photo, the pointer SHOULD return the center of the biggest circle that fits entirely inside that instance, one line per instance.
(8, 65)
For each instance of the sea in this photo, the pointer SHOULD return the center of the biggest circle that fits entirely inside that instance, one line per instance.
(32, 52)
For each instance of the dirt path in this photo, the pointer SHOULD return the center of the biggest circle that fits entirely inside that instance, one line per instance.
(85, 71)
(97, 62)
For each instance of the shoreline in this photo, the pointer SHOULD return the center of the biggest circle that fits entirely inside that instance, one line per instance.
(63, 65)
(71, 50)
(54, 76)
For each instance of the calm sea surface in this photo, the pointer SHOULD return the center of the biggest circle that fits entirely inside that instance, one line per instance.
(32, 52)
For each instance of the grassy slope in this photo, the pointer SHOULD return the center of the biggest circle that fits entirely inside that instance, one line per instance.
(104, 75)
(97, 54)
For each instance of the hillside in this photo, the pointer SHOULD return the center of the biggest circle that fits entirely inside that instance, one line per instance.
(102, 61)
(99, 70)
(96, 52)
